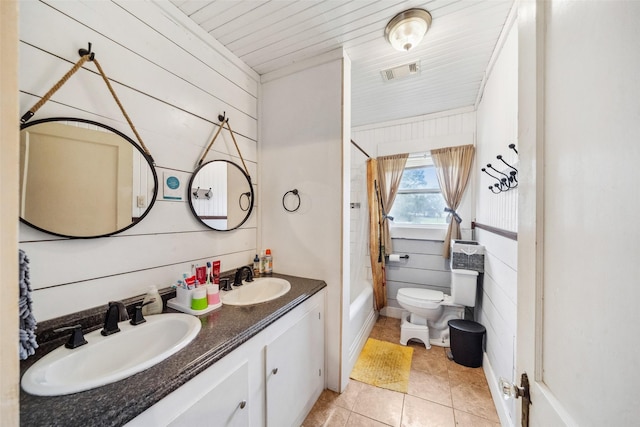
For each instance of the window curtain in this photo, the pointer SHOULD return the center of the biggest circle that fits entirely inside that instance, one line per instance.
(376, 254)
(453, 167)
(390, 170)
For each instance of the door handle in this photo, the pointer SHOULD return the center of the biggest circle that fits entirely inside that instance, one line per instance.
(514, 391)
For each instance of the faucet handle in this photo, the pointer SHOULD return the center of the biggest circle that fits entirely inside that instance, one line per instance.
(77, 337)
(249, 275)
(138, 318)
(224, 284)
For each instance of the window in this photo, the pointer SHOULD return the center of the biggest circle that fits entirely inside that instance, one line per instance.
(419, 199)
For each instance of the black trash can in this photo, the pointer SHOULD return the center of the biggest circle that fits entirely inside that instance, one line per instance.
(466, 342)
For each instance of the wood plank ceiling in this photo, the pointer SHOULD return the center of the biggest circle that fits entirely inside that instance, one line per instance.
(453, 57)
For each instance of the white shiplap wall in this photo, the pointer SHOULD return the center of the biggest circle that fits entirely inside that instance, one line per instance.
(303, 147)
(359, 230)
(497, 117)
(173, 85)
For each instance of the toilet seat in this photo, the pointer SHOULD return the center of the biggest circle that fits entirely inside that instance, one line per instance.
(422, 298)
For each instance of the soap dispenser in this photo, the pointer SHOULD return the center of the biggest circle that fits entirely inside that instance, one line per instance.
(156, 306)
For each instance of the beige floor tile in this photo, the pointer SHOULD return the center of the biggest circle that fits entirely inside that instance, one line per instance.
(464, 419)
(430, 387)
(377, 332)
(390, 334)
(475, 400)
(380, 404)
(423, 413)
(432, 361)
(393, 323)
(326, 414)
(357, 420)
(441, 393)
(470, 376)
(347, 399)
(453, 366)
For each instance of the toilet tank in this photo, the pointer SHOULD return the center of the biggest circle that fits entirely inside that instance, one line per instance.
(464, 284)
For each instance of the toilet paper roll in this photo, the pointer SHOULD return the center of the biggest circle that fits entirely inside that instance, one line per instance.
(394, 257)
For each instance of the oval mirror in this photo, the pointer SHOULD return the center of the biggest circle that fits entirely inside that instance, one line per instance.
(82, 179)
(221, 195)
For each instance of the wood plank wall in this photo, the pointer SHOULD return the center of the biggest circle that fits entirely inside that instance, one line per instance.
(425, 268)
(173, 85)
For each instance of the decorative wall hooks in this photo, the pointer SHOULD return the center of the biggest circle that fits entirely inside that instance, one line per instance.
(508, 180)
(201, 193)
(224, 120)
(86, 55)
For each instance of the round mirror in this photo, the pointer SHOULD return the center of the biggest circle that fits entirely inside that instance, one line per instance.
(82, 179)
(221, 195)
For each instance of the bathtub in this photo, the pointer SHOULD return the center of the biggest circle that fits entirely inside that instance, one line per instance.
(362, 318)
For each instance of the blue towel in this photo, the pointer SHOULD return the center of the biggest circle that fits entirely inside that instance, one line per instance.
(27, 337)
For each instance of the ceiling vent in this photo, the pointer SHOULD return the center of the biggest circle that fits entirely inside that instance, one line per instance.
(401, 71)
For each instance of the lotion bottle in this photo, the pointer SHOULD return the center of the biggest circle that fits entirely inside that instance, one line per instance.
(268, 263)
(156, 306)
(256, 266)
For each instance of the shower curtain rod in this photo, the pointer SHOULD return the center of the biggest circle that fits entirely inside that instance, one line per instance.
(359, 148)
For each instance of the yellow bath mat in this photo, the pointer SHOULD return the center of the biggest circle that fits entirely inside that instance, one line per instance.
(384, 365)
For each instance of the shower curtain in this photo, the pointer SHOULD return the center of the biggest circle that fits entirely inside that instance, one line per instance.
(376, 245)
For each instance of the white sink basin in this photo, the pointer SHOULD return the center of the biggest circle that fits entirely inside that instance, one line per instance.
(262, 289)
(104, 360)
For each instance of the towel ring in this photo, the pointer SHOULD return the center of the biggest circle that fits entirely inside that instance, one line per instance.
(295, 193)
(248, 194)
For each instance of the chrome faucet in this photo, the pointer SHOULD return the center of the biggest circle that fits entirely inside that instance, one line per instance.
(237, 280)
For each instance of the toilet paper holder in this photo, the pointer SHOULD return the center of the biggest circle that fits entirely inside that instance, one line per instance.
(388, 257)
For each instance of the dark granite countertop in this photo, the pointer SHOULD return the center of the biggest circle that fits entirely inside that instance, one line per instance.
(223, 330)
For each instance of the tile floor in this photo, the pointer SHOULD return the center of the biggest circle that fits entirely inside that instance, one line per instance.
(441, 393)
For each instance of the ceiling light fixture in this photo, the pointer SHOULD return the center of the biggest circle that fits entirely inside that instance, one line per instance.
(407, 29)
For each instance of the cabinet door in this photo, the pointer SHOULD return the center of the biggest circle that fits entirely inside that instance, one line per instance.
(225, 405)
(294, 370)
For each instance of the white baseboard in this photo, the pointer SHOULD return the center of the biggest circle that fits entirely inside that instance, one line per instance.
(395, 312)
(496, 393)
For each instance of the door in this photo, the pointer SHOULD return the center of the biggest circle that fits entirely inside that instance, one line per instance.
(578, 199)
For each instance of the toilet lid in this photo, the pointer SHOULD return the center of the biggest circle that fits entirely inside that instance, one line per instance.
(418, 294)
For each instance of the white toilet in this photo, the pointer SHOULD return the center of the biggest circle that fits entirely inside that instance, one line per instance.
(428, 311)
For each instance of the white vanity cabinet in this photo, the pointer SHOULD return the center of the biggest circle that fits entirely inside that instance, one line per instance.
(217, 396)
(294, 370)
(271, 380)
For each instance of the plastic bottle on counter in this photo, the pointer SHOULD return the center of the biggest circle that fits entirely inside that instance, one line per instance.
(268, 263)
(154, 307)
(256, 266)
(262, 263)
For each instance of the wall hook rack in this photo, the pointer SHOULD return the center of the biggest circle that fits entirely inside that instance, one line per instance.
(201, 192)
(504, 181)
